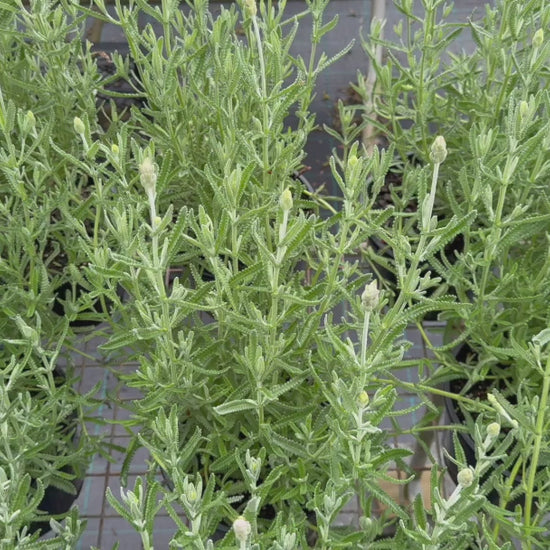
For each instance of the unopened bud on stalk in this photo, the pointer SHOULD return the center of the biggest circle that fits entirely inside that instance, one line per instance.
(30, 121)
(242, 529)
(493, 429)
(250, 7)
(192, 494)
(370, 296)
(114, 149)
(438, 151)
(465, 477)
(79, 127)
(363, 399)
(148, 175)
(353, 160)
(500, 410)
(538, 38)
(523, 109)
(285, 201)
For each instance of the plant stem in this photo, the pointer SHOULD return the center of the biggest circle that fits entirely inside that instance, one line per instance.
(265, 109)
(415, 386)
(533, 466)
(378, 15)
(364, 339)
(411, 271)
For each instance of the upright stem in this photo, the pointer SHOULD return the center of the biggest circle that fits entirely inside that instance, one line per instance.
(364, 339)
(265, 110)
(409, 277)
(378, 16)
(533, 466)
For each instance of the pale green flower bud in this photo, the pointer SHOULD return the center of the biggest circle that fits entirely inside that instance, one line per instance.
(148, 175)
(438, 151)
(242, 529)
(250, 7)
(289, 541)
(30, 121)
(28, 333)
(367, 524)
(285, 202)
(157, 221)
(192, 494)
(493, 429)
(523, 109)
(538, 38)
(353, 160)
(253, 464)
(79, 127)
(500, 409)
(114, 149)
(363, 399)
(370, 296)
(465, 477)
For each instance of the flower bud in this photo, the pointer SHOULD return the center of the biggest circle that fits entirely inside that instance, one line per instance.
(353, 160)
(465, 477)
(438, 151)
(500, 410)
(285, 201)
(363, 399)
(148, 175)
(114, 149)
(250, 7)
(28, 333)
(242, 529)
(370, 296)
(538, 38)
(493, 429)
(523, 109)
(79, 127)
(30, 121)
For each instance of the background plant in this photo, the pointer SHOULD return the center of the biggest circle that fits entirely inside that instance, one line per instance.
(497, 160)
(48, 77)
(217, 92)
(44, 440)
(491, 109)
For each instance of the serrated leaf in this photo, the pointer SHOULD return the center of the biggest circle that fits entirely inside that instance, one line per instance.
(440, 238)
(385, 499)
(420, 512)
(237, 405)
(286, 445)
(521, 230)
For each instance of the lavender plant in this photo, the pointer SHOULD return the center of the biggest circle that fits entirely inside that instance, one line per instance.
(38, 187)
(255, 399)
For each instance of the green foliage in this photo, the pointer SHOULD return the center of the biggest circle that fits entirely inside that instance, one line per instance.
(491, 106)
(244, 311)
(266, 353)
(43, 444)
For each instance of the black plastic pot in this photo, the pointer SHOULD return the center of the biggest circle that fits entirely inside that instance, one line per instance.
(56, 502)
